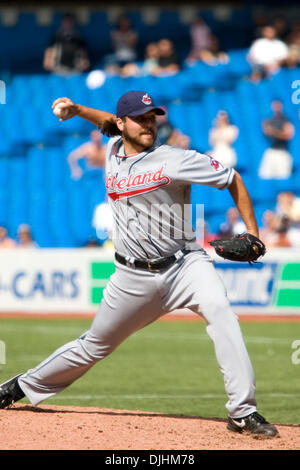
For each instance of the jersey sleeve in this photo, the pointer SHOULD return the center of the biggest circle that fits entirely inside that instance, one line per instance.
(198, 168)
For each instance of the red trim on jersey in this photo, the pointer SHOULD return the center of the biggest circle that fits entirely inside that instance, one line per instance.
(114, 196)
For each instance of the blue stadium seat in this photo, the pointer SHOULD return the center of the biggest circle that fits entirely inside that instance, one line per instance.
(261, 208)
(57, 169)
(238, 64)
(4, 172)
(70, 143)
(211, 105)
(35, 183)
(94, 184)
(167, 89)
(4, 206)
(36, 167)
(19, 88)
(214, 221)
(38, 217)
(196, 126)
(59, 218)
(252, 118)
(32, 130)
(113, 87)
(56, 83)
(170, 26)
(201, 75)
(17, 40)
(79, 213)
(263, 190)
(18, 209)
(75, 87)
(12, 130)
(97, 35)
(18, 173)
(288, 184)
(205, 195)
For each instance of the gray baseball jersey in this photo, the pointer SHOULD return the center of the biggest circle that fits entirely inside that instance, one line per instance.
(149, 194)
(134, 298)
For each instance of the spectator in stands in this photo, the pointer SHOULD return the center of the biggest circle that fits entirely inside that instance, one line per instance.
(268, 232)
(167, 134)
(221, 138)
(293, 235)
(260, 20)
(130, 70)
(94, 153)
(151, 58)
(288, 205)
(281, 26)
(277, 161)
(278, 231)
(267, 54)
(212, 55)
(168, 63)
(25, 237)
(282, 240)
(124, 42)
(67, 51)
(293, 59)
(200, 38)
(92, 243)
(285, 221)
(295, 26)
(5, 241)
(233, 224)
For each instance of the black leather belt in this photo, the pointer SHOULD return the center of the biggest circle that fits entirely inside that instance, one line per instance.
(152, 265)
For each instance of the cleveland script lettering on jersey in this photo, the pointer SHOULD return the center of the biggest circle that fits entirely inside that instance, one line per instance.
(135, 184)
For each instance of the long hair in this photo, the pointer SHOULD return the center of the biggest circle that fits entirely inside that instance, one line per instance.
(110, 128)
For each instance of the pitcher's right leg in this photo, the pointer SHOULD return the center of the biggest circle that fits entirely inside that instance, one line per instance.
(128, 305)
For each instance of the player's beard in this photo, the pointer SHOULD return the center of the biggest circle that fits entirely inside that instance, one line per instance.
(139, 141)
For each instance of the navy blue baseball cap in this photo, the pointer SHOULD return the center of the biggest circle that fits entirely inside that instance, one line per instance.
(135, 103)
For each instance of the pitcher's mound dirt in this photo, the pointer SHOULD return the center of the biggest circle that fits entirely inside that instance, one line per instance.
(50, 427)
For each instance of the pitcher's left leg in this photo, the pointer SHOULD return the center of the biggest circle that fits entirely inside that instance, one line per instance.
(198, 286)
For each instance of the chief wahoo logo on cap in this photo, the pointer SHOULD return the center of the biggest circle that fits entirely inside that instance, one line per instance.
(146, 99)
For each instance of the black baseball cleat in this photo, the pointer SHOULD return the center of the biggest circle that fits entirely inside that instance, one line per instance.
(253, 424)
(10, 392)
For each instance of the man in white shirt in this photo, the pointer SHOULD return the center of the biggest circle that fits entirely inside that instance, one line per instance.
(267, 53)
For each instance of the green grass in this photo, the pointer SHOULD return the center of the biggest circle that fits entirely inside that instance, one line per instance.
(166, 367)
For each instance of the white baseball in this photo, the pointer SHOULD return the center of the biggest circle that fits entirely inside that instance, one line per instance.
(60, 110)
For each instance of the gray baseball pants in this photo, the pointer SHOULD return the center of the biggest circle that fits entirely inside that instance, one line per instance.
(136, 298)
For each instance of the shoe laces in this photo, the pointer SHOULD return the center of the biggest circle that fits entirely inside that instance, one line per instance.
(257, 417)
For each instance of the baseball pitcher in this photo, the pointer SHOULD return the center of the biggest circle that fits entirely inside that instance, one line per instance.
(159, 265)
